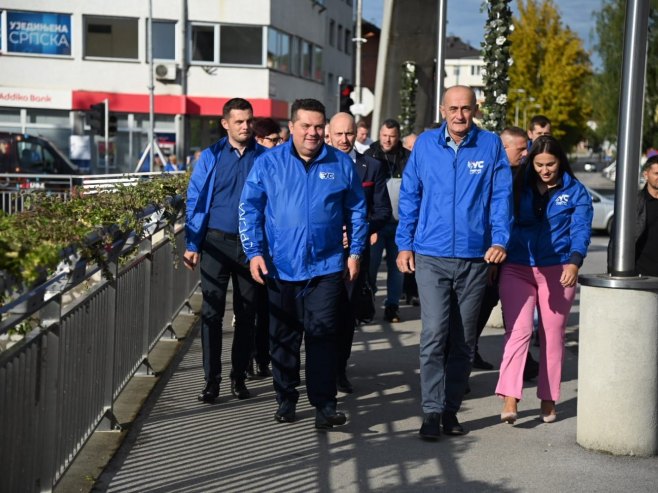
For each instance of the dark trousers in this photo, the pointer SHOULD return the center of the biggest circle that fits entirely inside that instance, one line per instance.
(262, 339)
(309, 310)
(222, 259)
(489, 302)
(345, 335)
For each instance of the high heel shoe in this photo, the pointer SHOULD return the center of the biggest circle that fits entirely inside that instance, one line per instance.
(509, 417)
(548, 413)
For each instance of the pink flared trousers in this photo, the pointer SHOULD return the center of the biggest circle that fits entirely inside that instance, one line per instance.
(521, 289)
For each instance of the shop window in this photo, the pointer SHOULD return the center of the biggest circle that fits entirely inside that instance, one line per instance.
(164, 40)
(241, 45)
(111, 37)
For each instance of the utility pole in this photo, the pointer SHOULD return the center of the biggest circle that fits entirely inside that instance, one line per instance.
(440, 58)
(149, 48)
(357, 67)
(106, 125)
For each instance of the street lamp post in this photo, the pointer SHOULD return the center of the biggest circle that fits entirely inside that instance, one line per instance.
(516, 106)
(530, 99)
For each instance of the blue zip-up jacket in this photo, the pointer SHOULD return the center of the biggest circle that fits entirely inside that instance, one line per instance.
(200, 193)
(455, 205)
(294, 218)
(564, 228)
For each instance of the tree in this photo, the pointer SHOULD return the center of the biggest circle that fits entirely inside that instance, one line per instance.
(551, 69)
(609, 46)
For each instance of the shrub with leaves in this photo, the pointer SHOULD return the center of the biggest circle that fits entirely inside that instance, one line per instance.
(34, 242)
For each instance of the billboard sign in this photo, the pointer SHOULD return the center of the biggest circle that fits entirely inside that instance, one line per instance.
(39, 33)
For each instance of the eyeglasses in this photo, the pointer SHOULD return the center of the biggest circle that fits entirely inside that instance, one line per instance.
(274, 140)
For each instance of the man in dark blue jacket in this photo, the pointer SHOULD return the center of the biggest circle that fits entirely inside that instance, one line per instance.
(293, 207)
(211, 229)
(342, 130)
(455, 218)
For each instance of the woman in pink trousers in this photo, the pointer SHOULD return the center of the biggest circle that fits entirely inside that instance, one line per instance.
(549, 240)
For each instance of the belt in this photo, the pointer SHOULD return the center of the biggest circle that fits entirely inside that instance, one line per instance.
(224, 234)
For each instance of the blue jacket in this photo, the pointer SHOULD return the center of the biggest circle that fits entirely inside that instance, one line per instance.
(565, 227)
(295, 218)
(455, 205)
(200, 194)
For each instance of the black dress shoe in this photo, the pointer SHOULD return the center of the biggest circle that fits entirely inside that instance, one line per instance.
(451, 425)
(285, 413)
(239, 389)
(431, 427)
(209, 393)
(343, 384)
(328, 418)
(480, 364)
(531, 369)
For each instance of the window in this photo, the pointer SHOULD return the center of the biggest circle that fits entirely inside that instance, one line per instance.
(317, 63)
(306, 59)
(340, 38)
(296, 56)
(348, 41)
(203, 44)
(278, 50)
(164, 40)
(111, 37)
(332, 32)
(241, 45)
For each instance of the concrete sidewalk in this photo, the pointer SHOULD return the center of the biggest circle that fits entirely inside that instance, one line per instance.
(180, 445)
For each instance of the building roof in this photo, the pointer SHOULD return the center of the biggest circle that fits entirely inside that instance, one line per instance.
(456, 48)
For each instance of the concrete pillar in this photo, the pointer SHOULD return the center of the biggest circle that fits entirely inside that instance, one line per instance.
(618, 366)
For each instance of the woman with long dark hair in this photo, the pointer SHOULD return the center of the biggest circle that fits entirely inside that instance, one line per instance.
(549, 240)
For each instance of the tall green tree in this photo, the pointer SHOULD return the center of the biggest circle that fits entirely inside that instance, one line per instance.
(609, 32)
(550, 70)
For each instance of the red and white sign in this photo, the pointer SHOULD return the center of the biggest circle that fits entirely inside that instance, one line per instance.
(47, 99)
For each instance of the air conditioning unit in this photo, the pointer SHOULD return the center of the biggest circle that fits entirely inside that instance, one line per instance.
(165, 71)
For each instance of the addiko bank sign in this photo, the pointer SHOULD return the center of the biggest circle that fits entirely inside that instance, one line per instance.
(16, 97)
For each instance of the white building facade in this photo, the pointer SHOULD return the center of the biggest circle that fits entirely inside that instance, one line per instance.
(59, 58)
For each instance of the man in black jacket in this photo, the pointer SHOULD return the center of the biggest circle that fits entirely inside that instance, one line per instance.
(646, 225)
(342, 132)
(389, 151)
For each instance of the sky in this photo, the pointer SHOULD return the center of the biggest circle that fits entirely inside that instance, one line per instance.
(466, 21)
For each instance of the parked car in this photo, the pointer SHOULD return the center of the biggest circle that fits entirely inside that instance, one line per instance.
(29, 154)
(604, 210)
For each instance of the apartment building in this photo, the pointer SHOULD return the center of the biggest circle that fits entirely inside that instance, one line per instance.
(59, 58)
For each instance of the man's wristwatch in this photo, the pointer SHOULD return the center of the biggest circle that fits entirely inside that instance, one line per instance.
(355, 256)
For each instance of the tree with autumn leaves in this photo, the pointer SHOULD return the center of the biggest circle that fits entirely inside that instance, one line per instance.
(550, 73)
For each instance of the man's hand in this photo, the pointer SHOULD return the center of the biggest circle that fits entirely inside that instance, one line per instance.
(406, 262)
(190, 259)
(346, 241)
(569, 275)
(258, 269)
(495, 255)
(352, 269)
(373, 238)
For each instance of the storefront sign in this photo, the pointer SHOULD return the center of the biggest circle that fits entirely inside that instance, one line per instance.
(39, 33)
(16, 97)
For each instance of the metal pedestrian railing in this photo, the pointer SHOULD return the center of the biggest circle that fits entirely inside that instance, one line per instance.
(90, 335)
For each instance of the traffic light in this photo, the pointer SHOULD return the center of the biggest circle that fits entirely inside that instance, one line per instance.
(345, 100)
(96, 118)
(112, 125)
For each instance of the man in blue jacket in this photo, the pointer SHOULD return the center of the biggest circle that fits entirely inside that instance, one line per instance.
(293, 207)
(212, 239)
(455, 218)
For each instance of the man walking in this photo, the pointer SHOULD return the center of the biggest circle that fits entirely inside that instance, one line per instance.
(211, 229)
(389, 151)
(455, 218)
(293, 207)
(342, 132)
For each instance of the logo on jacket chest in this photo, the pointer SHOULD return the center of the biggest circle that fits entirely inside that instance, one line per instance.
(475, 167)
(562, 199)
(326, 175)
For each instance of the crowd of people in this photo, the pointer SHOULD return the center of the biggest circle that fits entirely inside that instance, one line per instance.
(299, 224)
